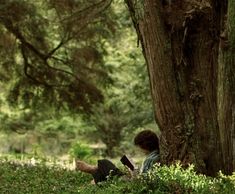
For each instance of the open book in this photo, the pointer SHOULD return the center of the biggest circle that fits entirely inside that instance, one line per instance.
(125, 161)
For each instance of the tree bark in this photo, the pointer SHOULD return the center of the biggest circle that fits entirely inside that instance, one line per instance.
(226, 88)
(180, 41)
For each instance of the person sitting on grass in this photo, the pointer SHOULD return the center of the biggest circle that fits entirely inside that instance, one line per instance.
(146, 140)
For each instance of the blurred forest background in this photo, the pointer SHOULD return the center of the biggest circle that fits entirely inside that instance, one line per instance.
(72, 80)
(75, 83)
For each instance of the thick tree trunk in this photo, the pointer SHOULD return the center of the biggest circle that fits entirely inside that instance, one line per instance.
(226, 89)
(180, 42)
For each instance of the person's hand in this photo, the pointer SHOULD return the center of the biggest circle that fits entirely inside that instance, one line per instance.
(92, 182)
(131, 173)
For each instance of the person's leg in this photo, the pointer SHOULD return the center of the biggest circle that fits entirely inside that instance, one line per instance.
(100, 172)
(84, 167)
(105, 168)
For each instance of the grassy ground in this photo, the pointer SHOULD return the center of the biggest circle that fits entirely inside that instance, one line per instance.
(18, 178)
(41, 178)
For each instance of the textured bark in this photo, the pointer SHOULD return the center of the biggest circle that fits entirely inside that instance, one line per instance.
(226, 89)
(180, 42)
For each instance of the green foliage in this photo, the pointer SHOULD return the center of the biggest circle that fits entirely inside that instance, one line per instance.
(80, 151)
(52, 52)
(62, 123)
(19, 178)
(76, 57)
(18, 121)
(127, 102)
(168, 180)
(28, 179)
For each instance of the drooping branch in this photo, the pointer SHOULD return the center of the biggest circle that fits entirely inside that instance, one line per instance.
(50, 53)
(52, 65)
(89, 13)
(81, 83)
(16, 32)
(26, 67)
(25, 44)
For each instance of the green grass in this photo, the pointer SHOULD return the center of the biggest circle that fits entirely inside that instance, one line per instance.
(168, 180)
(40, 179)
(18, 178)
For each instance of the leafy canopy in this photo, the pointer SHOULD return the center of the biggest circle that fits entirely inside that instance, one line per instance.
(52, 51)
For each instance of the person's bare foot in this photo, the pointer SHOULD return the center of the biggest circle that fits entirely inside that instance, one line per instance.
(84, 167)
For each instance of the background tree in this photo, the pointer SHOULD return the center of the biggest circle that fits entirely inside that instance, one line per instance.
(180, 41)
(127, 103)
(52, 64)
(75, 59)
(48, 57)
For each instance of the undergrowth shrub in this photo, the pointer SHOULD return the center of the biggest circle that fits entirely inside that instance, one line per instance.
(18, 178)
(168, 180)
(81, 151)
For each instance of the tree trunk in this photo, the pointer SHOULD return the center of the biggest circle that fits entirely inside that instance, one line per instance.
(226, 89)
(180, 42)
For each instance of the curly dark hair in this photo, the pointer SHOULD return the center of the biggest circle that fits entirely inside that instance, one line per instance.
(147, 140)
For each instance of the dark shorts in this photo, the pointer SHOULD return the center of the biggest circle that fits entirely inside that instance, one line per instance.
(105, 169)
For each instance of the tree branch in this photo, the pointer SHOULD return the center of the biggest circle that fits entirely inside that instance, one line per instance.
(55, 49)
(89, 12)
(27, 65)
(20, 37)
